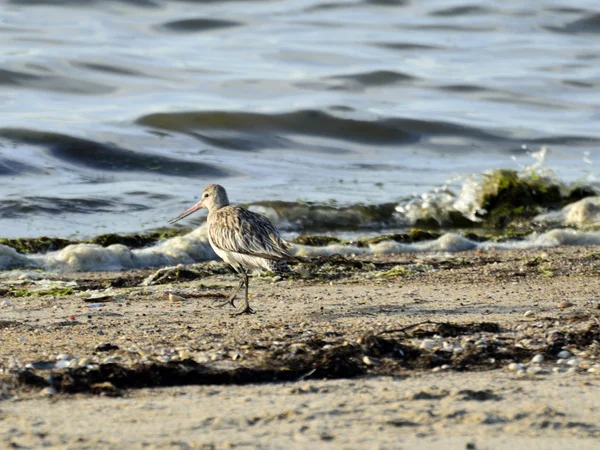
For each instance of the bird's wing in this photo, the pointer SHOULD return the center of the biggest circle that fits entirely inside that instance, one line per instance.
(239, 230)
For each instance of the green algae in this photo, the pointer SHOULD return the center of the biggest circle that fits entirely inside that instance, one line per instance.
(499, 235)
(507, 198)
(510, 200)
(397, 271)
(59, 292)
(546, 272)
(453, 218)
(36, 245)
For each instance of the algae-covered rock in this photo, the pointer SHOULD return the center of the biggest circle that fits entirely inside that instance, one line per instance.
(47, 244)
(414, 235)
(506, 197)
(316, 241)
(134, 240)
(36, 245)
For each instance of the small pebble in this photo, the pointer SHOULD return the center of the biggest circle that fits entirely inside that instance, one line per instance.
(564, 354)
(184, 354)
(370, 361)
(49, 391)
(516, 367)
(564, 304)
(302, 271)
(175, 298)
(62, 364)
(95, 305)
(427, 344)
(534, 369)
(83, 362)
(537, 359)
(529, 314)
(573, 362)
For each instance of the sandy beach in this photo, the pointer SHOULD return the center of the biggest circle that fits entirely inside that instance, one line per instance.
(471, 350)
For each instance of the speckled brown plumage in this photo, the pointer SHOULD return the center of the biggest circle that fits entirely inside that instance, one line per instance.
(242, 238)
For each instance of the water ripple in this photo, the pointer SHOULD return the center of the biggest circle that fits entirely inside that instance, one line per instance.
(108, 157)
(198, 25)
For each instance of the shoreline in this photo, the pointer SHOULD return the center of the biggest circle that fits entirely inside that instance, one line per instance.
(489, 314)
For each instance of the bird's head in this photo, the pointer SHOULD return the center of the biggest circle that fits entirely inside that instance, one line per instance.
(213, 197)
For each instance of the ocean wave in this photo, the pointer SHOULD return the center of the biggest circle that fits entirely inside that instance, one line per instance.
(37, 206)
(12, 168)
(241, 130)
(53, 82)
(110, 157)
(589, 24)
(307, 122)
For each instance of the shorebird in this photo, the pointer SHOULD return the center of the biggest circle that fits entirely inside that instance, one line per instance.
(242, 238)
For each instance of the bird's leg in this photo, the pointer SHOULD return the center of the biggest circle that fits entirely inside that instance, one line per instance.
(246, 309)
(230, 300)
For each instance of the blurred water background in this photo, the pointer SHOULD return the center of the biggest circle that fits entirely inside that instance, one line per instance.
(116, 113)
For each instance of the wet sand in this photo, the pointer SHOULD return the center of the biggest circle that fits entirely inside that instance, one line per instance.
(339, 357)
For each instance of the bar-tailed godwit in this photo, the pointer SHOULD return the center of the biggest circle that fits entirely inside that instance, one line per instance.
(242, 238)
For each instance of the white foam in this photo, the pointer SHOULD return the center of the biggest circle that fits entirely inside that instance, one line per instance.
(11, 259)
(185, 249)
(194, 247)
(435, 205)
(585, 212)
(447, 243)
(551, 238)
(582, 214)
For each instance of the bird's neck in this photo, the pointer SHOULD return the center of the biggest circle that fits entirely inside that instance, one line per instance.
(217, 206)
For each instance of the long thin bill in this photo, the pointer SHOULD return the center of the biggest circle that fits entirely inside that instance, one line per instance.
(186, 213)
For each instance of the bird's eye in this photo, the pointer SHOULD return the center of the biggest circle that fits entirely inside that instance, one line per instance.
(205, 195)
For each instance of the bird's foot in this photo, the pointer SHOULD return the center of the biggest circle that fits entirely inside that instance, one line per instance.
(246, 310)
